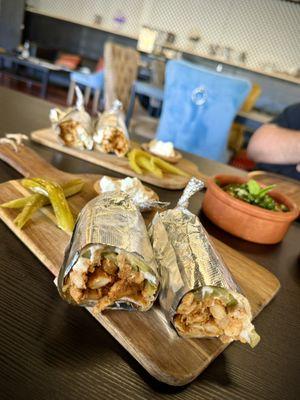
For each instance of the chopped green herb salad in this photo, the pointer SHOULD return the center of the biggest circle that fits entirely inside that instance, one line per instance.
(252, 193)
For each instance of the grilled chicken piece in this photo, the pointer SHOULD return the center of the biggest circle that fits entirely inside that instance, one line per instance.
(109, 267)
(76, 294)
(98, 279)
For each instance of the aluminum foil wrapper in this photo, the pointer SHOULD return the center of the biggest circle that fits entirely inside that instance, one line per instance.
(186, 257)
(111, 135)
(147, 206)
(145, 201)
(74, 127)
(113, 220)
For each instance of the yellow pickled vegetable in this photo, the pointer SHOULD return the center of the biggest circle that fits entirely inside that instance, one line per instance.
(132, 161)
(167, 167)
(146, 163)
(139, 160)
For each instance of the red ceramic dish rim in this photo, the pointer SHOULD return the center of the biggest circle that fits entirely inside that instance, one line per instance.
(252, 209)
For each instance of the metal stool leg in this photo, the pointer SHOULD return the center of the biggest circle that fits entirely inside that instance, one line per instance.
(71, 92)
(96, 100)
(87, 93)
(130, 106)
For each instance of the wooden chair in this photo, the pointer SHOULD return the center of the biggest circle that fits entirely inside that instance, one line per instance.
(236, 137)
(121, 66)
(199, 106)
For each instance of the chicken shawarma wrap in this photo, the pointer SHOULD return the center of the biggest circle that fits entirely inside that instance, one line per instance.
(110, 262)
(198, 294)
(111, 135)
(74, 127)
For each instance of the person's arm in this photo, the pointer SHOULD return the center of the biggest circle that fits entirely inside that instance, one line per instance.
(275, 145)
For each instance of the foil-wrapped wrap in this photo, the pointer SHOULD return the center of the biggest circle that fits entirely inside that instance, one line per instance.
(74, 127)
(110, 261)
(111, 135)
(198, 294)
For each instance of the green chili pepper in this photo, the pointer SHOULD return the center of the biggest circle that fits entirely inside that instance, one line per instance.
(17, 203)
(110, 256)
(216, 292)
(35, 203)
(70, 188)
(254, 338)
(54, 191)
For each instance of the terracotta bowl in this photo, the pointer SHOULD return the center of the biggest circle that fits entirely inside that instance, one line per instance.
(244, 220)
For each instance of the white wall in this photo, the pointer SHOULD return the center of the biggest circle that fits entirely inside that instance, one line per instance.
(268, 30)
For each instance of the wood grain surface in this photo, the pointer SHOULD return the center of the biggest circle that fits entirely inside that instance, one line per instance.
(147, 336)
(119, 164)
(52, 350)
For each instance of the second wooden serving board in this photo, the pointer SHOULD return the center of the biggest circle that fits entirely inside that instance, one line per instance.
(48, 138)
(147, 336)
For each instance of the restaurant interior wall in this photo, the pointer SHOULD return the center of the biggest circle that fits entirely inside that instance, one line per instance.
(88, 41)
(268, 31)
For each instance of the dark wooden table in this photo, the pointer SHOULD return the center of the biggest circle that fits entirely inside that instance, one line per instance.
(51, 350)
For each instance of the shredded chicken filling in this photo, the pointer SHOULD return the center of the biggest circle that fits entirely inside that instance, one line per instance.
(105, 281)
(211, 317)
(115, 141)
(68, 132)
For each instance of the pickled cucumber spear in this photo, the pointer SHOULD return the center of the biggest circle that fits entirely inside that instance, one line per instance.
(70, 188)
(33, 203)
(54, 191)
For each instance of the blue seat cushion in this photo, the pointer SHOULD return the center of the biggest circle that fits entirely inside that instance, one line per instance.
(199, 107)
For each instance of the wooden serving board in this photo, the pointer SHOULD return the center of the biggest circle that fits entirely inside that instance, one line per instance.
(119, 164)
(147, 336)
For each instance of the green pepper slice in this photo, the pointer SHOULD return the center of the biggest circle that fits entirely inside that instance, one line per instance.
(54, 191)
